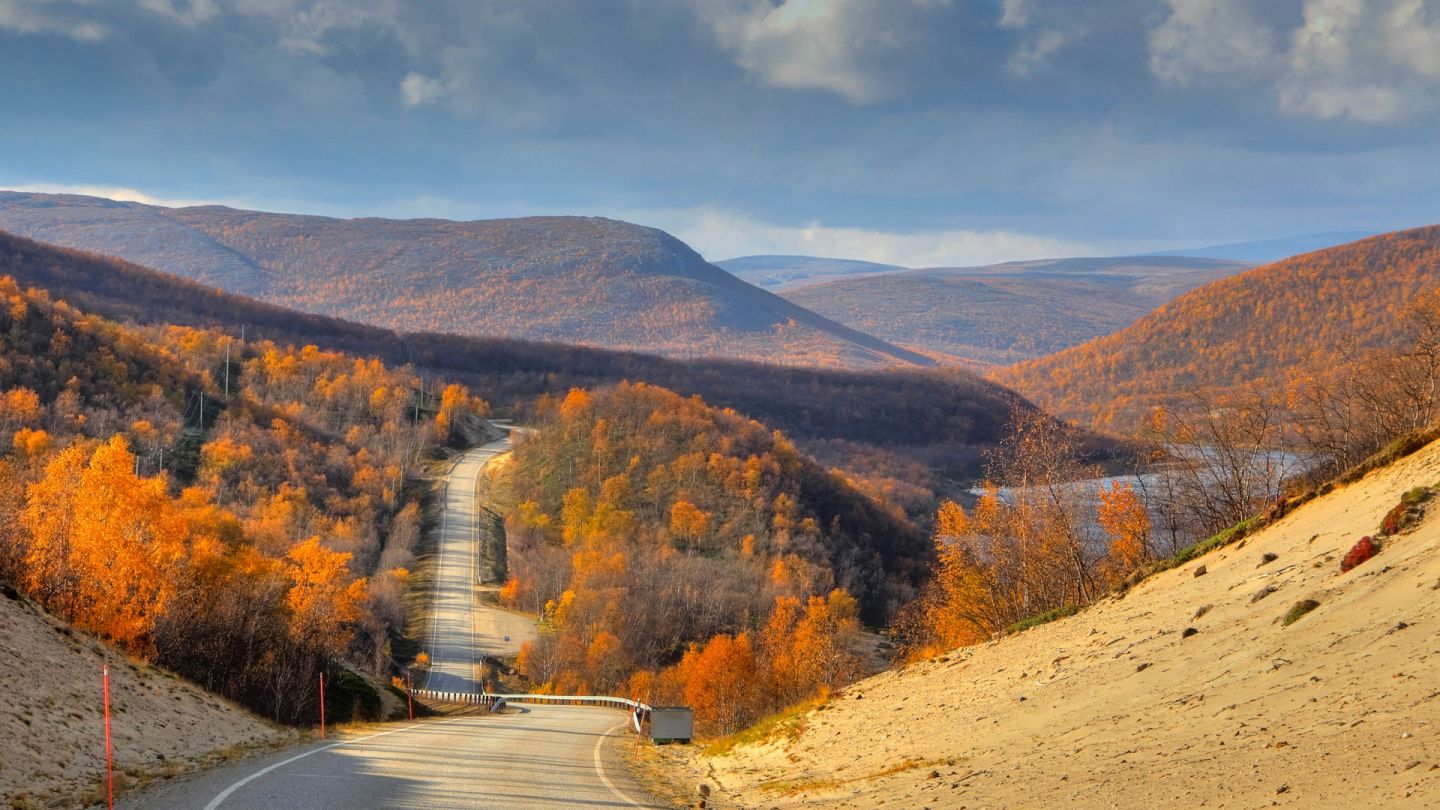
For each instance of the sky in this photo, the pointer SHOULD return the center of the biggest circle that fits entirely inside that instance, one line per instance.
(915, 132)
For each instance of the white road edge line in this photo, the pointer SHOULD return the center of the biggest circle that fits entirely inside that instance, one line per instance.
(600, 768)
(225, 794)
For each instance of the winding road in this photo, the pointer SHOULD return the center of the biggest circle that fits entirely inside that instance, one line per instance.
(530, 757)
(463, 628)
(545, 756)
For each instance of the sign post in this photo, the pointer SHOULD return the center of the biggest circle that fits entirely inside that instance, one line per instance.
(322, 705)
(109, 761)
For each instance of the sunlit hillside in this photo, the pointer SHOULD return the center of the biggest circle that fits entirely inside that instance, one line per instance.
(581, 280)
(1005, 313)
(1306, 314)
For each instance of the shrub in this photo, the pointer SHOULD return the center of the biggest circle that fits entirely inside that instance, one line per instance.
(1365, 549)
(1299, 609)
(1394, 519)
(1044, 618)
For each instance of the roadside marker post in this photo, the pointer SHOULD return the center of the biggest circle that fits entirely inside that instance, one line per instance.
(410, 695)
(322, 705)
(109, 760)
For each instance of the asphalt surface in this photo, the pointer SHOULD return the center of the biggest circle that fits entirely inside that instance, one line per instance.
(529, 757)
(544, 756)
(463, 628)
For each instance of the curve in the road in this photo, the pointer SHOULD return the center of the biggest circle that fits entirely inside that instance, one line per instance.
(463, 629)
(543, 757)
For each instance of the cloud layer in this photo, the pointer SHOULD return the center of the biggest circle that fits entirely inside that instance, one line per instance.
(889, 129)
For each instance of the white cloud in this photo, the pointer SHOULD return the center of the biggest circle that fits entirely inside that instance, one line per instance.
(417, 89)
(1014, 13)
(1036, 53)
(67, 19)
(109, 192)
(1371, 61)
(723, 234)
(191, 13)
(831, 45)
(1202, 39)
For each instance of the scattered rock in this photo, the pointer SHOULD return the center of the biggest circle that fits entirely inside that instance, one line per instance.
(1201, 571)
(1262, 593)
(1398, 626)
(1412, 765)
(1202, 611)
(1022, 698)
(1267, 558)
(1144, 665)
(704, 790)
(1189, 631)
(934, 775)
(1283, 789)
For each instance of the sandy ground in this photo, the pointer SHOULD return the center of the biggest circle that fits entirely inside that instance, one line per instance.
(1115, 707)
(52, 750)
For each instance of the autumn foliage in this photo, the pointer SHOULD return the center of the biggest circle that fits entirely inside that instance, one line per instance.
(682, 552)
(1304, 314)
(235, 511)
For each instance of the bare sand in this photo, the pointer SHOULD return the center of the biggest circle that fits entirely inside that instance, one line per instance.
(1116, 707)
(52, 750)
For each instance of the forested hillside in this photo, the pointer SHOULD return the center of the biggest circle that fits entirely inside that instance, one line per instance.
(907, 432)
(1009, 312)
(1301, 316)
(234, 511)
(649, 523)
(582, 280)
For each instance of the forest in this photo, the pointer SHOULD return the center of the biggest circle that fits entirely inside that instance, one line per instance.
(243, 513)
(684, 553)
(1260, 329)
(908, 435)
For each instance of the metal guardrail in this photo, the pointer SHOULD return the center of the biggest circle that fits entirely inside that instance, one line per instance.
(488, 698)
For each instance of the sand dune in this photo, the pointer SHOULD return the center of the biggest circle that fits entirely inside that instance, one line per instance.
(52, 750)
(1116, 707)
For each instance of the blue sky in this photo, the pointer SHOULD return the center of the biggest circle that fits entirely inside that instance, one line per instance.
(919, 132)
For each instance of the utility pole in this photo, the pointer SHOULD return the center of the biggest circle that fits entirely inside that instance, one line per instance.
(227, 368)
(202, 408)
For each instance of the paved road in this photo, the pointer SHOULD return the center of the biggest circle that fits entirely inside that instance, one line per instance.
(545, 756)
(463, 628)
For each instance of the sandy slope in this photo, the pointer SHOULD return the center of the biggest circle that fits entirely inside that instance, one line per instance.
(1113, 707)
(51, 749)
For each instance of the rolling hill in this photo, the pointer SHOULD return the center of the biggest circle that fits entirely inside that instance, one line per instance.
(788, 272)
(918, 428)
(1005, 313)
(1198, 687)
(581, 280)
(1301, 313)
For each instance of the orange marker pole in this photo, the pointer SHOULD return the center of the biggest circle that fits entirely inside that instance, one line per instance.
(109, 762)
(322, 705)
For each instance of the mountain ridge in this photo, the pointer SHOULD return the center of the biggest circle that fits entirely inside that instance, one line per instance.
(586, 280)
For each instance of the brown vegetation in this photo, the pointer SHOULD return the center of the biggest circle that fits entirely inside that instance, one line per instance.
(686, 554)
(1301, 315)
(234, 511)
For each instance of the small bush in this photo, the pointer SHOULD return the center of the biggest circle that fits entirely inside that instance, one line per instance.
(1044, 618)
(1365, 549)
(1394, 519)
(1299, 609)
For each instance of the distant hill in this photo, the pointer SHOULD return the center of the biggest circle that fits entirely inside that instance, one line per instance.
(1008, 312)
(1272, 250)
(919, 428)
(1254, 327)
(789, 272)
(582, 280)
